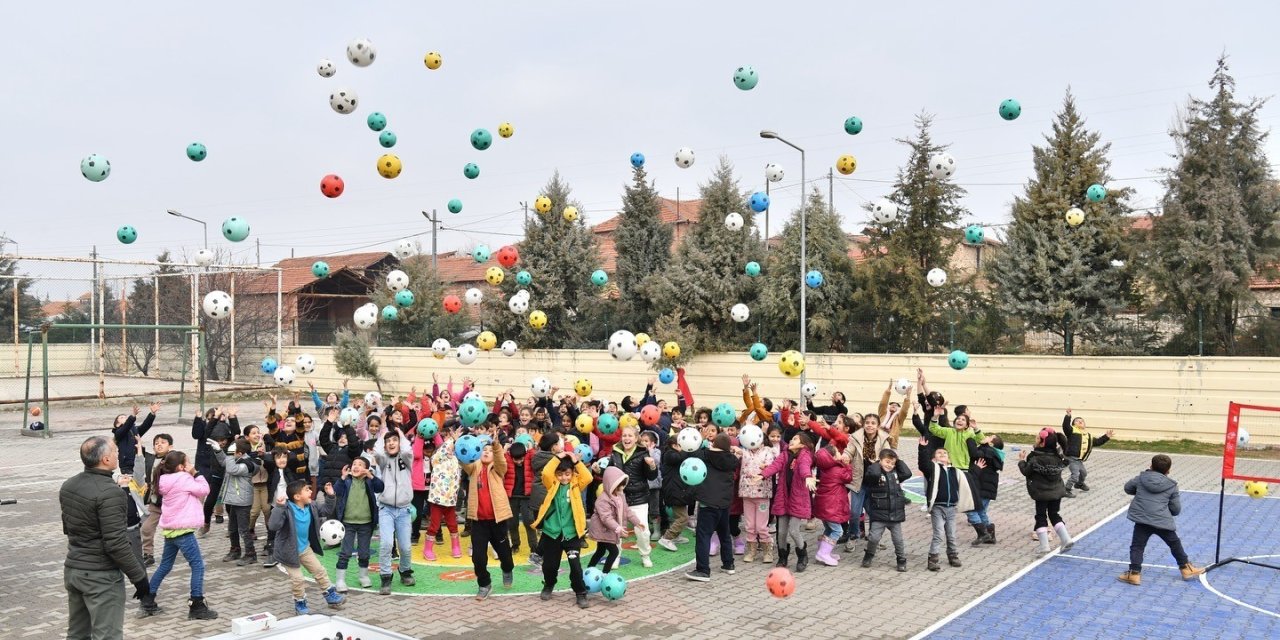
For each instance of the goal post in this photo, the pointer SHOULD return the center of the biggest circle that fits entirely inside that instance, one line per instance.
(1249, 454)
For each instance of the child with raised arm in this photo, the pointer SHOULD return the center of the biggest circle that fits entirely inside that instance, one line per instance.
(488, 511)
(1156, 502)
(297, 526)
(356, 506)
(1080, 444)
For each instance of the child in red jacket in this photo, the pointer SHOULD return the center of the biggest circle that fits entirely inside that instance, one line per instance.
(518, 482)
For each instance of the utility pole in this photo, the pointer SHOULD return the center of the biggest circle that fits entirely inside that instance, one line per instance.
(258, 243)
(435, 224)
(831, 192)
(766, 212)
(526, 211)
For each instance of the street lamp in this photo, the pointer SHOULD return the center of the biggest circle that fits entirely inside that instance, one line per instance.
(178, 214)
(804, 248)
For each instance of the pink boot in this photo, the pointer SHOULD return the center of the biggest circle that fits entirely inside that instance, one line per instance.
(739, 546)
(715, 545)
(429, 549)
(457, 545)
(824, 554)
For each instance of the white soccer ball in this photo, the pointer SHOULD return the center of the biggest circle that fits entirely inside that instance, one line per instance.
(397, 280)
(740, 312)
(284, 375)
(651, 352)
(473, 395)
(306, 364)
(809, 390)
(689, 439)
(936, 277)
(942, 166)
(204, 257)
(509, 348)
(332, 532)
(540, 387)
(518, 304)
(366, 317)
(684, 158)
(326, 68)
(217, 305)
(373, 397)
(361, 52)
(348, 416)
(734, 221)
(440, 348)
(405, 249)
(901, 385)
(343, 100)
(1242, 437)
(773, 172)
(884, 211)
(622, 345)
(473, 296)
(751, 437)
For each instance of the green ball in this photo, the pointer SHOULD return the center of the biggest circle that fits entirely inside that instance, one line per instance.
(197, 152)
(745, 78)
(471, 170)
(853, 125)
(473, 412)
(235, 229)
(404, 297)
(390, 313)
(599, 278)
(613, 587)
(387, 139)
(320, 269)
(524, 278)
(377, 121)
(753, 268)
(958, 359)
(481, 139)
(455, 206)
(1010, 109)
(126, 234)
(95, 168)
(723, 415)
(1096, 193)
(759, 351)
(974, 234)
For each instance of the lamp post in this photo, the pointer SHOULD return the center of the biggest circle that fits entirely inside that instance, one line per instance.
(804, 248)
(178, 214)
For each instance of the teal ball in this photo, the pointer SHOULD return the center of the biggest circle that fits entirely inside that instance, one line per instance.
(471, 170)
(197, 152)
(376, 121)
(387, 139)
(235, 229)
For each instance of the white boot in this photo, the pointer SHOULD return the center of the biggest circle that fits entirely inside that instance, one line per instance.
(341, 583)
(1042, 535)
(1064, 537)
(365, 582)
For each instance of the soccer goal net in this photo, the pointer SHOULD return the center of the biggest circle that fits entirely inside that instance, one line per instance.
(1250, 466)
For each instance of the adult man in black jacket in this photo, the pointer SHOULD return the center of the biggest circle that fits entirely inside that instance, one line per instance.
(94, 520)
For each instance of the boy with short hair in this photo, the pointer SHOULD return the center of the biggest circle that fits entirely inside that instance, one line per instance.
(395, 467)
(886, 505)
(563, 521)
(356, 505)
(1080, 444)
(949, 490)
(297, 526)
(1156, 502)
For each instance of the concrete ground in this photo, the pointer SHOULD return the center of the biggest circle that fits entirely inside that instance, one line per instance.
(828, 601)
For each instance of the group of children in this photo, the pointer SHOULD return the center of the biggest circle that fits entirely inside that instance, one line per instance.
(392, 467)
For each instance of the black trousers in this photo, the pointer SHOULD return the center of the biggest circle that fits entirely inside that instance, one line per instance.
(215, 491)
(606, 550)
(551, 550)
(483, 534)
(1046, 512)
(1142, 533)
(238, 527)
(419, 505)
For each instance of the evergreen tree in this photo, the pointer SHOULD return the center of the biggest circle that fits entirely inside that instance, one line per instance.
(1055, 277)
(1218, 226)
(778, 311)
(560, 255)
(425, 320)
(905, 313)
(28, 308)
(706, 276)
(643, 243)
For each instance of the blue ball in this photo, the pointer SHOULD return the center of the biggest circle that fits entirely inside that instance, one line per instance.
(584, 453)
(467, 449)
(1010, 109)
(387, 139)
(594, 579)
(637, 159)
(723, 415)
(269, 365)
(667, 376)
(455, 206)
(813, 279)
(958, 359)
(427, 427)
(759, 351)
(759, 201)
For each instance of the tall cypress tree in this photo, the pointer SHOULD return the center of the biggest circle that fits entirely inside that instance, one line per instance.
(1218, 226)
(643, 243)
(1056, 277)
(706, 277)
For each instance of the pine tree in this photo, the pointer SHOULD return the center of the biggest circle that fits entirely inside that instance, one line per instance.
(1218, 226)
(706, 276)
(643, 244)
(425, 320)
(29, 314)
(1055, 277)
(560, 255)
(905, 313)
(778, 310)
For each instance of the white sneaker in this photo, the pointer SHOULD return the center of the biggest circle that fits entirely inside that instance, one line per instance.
(653, 535)
(667, 544)
(341, 584)
(682, 540)
(646, 562)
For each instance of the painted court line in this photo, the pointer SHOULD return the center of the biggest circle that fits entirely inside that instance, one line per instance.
(1125, 563)
(1010, 580)
(1204, 580)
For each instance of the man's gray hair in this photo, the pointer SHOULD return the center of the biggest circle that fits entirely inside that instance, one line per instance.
(93, 450)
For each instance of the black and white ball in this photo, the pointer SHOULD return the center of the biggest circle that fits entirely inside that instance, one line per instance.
(622, 345)
(326, 68)
(361, 52)
(509, 348)
(740, 312)
(440, 347)
(284, 375)
(518, 304)
(734, 221)
(651, 351)
(397, 280)
(217, 305)
(473, 296)
(332, 532)
(689, 440)
(751, 437)
(901, 386)
(884, 211)
(343, 100)
(348, 416)
(306, 364)
(773, 172)
(684, 158)
(942, 166)
(405, 249)
(372, 398)
(809, 390)
(936, 277)
(540, 387)
(204, 257)
(366, 317)
(467, 353)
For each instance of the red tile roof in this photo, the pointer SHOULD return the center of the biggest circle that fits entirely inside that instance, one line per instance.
(297, 271)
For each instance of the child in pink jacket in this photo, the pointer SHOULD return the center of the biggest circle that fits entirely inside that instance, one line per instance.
(609, 522)
(182, 495)
(755, 492)
(791, 499)
(831, 504)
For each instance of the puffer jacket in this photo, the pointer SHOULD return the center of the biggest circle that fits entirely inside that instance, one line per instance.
(717, 490)
(336, 457)
(752, 484)
(831, 503)
(1043, 470)
(988, 478)
(237, 488)
(791, 496)
(675, 493)
(638, 473)
(94, 513)
(182, 500)
(611, 511)
(446, 476)
(540, 460)
(491, 482)
(885, 502)
(519, 480)
(1156, 500)
(298, 452)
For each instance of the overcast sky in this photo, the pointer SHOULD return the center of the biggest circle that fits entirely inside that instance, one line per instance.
(584, 83)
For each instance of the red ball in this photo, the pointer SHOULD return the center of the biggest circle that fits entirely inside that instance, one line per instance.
(332, 186)
(780, 582)
(649, 415)
(452, 304)
(508, 256)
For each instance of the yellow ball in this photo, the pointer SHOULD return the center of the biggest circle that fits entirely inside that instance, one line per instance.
(432, 60)
(628, 420)
(506, 130)
(494, 275)
(642, 338)
(584, 423)
(486, 340)
(571, 442)
(846, 164)
(582, 387)
(671, 350)
(1255, 489)
(389, 165)
(537, 319)
(1075, 216)
(791, 364)
(570, 214)
(542, 204)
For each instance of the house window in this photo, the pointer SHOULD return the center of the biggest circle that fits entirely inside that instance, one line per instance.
(1275, 312)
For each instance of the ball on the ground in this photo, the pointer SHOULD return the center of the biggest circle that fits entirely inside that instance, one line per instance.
(780, 582)
(471, 170)
(758, 351)
(689, 440)
(376, 121)
(751, 437)
(637, 160)
(613, 587)
(853, 125)
(197, 152)
(306, 364)
(693, 471)
(1256, 489)
(361, 52)
(1010, 109)
(95, 168)
(235, 229)
(942, 166)
(593, 578)
(432, 60)
(740, 312)
(759, 201)
(481, 139)
(217, 305)
(332, 186)
(325, 68)
(269, 365)
(126, 234)
(745, 78)
(846, 164)
(936, 277)
(332, 532)
(343, 101)
(1096, 193)
(684, 157)
(389, 165)
(958, 359)
(791, 363)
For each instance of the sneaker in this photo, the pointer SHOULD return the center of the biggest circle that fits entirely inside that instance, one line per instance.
(483, 592)
(233, 554)
(1070, 494)
(545, 595)
(729, 570)
(646, 562)
(1082, 486)
(245, 561)
(682, 540)
(333, 598)
(507, 579)
(698, 576)
(219, 519)
(204, 531)
(300, 608)
(269, 562)
(582, 600)
(535, 560)
(667, 544)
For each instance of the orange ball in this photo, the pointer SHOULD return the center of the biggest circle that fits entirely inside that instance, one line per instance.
(649, 415)
(452, 304)
(35, 412)
(780, 582)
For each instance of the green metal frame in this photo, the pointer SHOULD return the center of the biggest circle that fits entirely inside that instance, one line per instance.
(44, 358)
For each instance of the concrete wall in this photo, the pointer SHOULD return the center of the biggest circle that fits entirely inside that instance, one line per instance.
(63, 359)
(1141, 398)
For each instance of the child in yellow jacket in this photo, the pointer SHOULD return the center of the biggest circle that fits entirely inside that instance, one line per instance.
(563, 521)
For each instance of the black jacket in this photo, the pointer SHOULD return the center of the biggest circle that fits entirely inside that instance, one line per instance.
(988, 478)
(675, 492)
(638, 474)
(336, 457)
(273, 478)
(342, 490)
(1043, 470)
(828, 412)
(717, 490)
(885, 502)
(1079, 443)
(124, 436)
(94, 519)
(201, 432)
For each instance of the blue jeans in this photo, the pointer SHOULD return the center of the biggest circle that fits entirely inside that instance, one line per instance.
(393, 522)
(832, 530)
(979, 516)
(856, 500)
(190, 549)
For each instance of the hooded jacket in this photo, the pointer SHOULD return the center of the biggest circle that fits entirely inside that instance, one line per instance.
(989, 477)
(539, 461)
(611, 511)
(396, 473)
(1080, 442)
(1043, 470)
(638, 473)
(831, 502)
(446, 476)
(1156, 500)
(716, 491)
(182, 500)
(885, 502)
(791, 496)
(237, 489)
